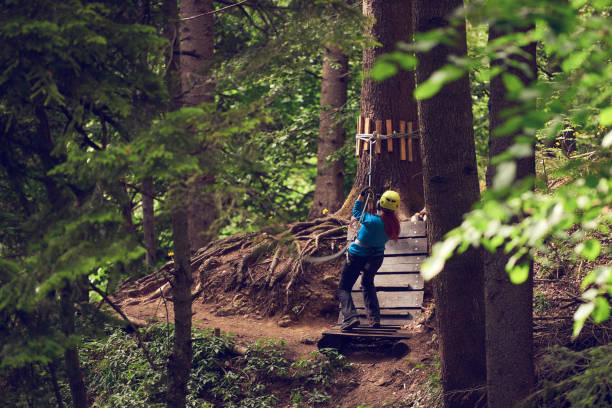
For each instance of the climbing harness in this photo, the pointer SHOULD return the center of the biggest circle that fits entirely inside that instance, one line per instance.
(352, 227)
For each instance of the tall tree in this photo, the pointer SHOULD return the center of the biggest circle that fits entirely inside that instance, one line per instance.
(509, 310)
(179, 362)
(451, 188)
(329, 185)
(389, 100)
(196, 53)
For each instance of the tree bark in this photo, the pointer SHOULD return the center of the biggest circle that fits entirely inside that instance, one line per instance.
(509, 307)
(179, 363)
(389, 100)
(197, 48)
(71, 354)
(148, 220)
(451, 188)
(329, 185)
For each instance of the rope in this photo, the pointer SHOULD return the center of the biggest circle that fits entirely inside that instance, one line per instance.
(377, 136)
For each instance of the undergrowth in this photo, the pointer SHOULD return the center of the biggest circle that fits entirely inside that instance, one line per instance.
(576, 379)
(120, 376)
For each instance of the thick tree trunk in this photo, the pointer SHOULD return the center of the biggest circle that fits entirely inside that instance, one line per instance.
(71, 354)
(179, 363)
(148, 220)
(329, 185)
(451, 187)
(197, 48)
(509, 307)
(389, 100)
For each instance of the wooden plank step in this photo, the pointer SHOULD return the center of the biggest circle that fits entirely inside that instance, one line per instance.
(369, 332)
(413, 229)
(406, 246)
(408, 268)
(404, 280)
(393, 299)
(403, 259)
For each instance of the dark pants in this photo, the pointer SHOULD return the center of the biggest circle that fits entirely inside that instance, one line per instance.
(369, 266)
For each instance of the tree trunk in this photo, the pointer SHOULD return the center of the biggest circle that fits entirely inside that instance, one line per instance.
(148, 220)
(71, 354)
(197, 48)
(389, 100)
(509, 307)
(329, 185)
(179, 363)
(451, 187)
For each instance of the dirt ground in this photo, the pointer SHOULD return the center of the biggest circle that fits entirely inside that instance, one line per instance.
(378, 379)
(254, 287)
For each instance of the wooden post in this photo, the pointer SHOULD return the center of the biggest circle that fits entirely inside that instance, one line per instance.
(359, 131)
(403, 140)
(410, 158)
(389, 132)
(367, 131)
(379, 131)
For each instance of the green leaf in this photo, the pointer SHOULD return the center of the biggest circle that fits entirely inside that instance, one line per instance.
(431, 267)
(405, 61)
(505, 174)
(574, 61)
(437, 80)
(607, 140)
(601, 312)
(519, 273)
(580, 316)
(589, 249)
(382, 70)
(605, 116)
(512, 82)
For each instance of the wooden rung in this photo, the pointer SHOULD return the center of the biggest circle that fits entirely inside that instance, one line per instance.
(389, 132)
(367, 131)
(403, 140)
(359, 131)
(379, 131)
(410, 157)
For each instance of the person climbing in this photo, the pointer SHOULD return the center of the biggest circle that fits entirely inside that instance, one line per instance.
(366, 254)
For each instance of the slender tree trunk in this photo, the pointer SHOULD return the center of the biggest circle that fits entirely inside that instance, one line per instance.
(179, 363)
(509, 307)
(329, 185)
(389, 100)
(451, 187)
(148, 220)
(71, 354)
(197, 48)
(57, 199)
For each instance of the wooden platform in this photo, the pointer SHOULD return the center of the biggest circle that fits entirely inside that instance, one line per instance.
(391, 336)
(399, 286)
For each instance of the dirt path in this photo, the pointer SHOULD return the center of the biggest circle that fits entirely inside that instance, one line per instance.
(377, 379)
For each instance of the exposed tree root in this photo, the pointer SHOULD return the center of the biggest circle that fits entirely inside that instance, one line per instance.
(261, 272)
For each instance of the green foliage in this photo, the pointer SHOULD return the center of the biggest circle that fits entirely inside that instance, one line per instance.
(120, 376)
(578, 379)
(511, 217)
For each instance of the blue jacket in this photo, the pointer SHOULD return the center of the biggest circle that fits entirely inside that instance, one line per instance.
(372, 233)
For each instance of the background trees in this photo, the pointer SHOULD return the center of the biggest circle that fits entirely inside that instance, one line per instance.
(87, 136)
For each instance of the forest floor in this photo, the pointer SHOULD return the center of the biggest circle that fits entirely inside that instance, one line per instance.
(256, 290)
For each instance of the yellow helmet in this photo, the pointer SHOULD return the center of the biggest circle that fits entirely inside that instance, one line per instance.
(390, 200)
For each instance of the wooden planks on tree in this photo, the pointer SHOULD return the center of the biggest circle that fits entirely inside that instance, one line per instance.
(411, 281)
(406, 246)
(401, 260)
(410, 229)
(406, 299)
